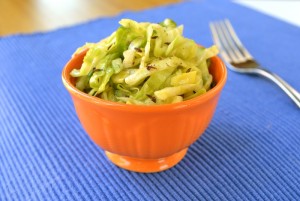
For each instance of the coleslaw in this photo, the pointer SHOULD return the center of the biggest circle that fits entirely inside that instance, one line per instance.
(145, 64)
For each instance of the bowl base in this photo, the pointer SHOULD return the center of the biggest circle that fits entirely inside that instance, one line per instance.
(146, 165)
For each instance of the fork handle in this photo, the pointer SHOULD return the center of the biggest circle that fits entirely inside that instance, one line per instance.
(288, 89)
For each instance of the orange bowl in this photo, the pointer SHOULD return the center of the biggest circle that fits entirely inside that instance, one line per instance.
(145, 138)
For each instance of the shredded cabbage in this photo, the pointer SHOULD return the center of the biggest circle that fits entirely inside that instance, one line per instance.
(145, 64)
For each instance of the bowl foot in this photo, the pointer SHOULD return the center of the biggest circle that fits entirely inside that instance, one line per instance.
(146, 165)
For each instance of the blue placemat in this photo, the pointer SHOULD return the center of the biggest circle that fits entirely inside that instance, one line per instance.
(251, 150)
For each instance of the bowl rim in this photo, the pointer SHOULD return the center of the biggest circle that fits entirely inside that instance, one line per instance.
(142, 108)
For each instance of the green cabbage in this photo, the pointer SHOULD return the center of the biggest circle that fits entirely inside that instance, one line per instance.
(145, 64)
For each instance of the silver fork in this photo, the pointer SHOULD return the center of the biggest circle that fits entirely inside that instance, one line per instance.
(238, 59)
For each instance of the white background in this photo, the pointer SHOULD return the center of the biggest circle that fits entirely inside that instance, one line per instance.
(286, 10)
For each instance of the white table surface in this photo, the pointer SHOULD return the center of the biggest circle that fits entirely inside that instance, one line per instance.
(286, 10)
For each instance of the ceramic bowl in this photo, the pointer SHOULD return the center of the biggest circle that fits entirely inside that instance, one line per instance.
(145, 138)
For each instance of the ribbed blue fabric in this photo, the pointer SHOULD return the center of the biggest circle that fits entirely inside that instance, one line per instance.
(251, 150)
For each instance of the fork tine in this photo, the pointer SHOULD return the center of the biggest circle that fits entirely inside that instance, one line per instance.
(239, 58)
(222, 42)
(237, 40)
(217, 41)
